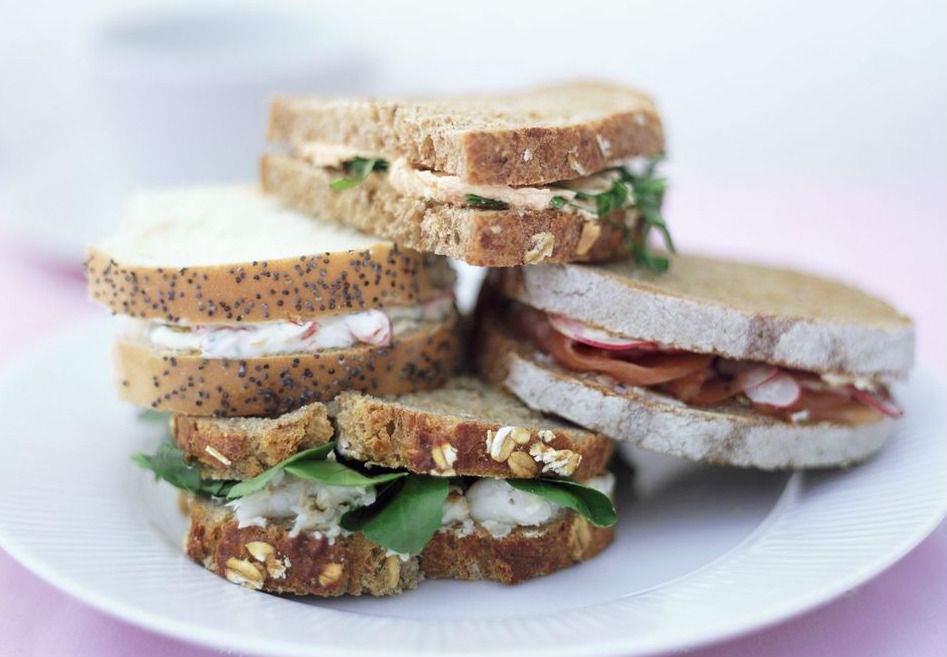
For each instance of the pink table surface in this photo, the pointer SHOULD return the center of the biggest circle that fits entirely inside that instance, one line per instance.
(891, 240)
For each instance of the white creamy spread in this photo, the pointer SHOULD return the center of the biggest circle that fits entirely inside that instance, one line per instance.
(317, 508)
(253, 340)
(324, 154)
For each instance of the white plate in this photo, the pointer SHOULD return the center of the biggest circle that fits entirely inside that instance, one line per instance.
(703, 554)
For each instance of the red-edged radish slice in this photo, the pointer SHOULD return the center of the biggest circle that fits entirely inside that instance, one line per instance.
(595, 337)
(780, 391)
(371, 327)
(754, 375)
(877, 402)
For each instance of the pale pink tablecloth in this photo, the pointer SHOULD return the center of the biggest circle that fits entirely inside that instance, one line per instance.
(859, 233)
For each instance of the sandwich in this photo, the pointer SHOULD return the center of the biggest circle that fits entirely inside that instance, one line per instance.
(372, 494)
(235, 306)
(556, 174)
(714, 360)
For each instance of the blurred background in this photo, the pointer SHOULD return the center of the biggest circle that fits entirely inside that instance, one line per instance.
(809, 133)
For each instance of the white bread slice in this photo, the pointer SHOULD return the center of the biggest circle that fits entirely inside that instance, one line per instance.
(488, 238)
(452, 430)
(725, 435)
(268, 559)
(230, 254)
(533, 137)
(734, 309)
(184, 382)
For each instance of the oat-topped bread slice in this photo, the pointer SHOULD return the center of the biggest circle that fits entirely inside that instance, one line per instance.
(540, 176)
(467, 428)
(716, 360)
(533, 137)
(233, 305)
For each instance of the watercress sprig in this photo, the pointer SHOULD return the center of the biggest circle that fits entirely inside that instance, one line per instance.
(358, 170)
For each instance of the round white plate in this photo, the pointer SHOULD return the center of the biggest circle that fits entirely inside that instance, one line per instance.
(702, 554)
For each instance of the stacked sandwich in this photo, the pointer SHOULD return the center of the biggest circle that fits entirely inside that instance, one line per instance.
(320, 426)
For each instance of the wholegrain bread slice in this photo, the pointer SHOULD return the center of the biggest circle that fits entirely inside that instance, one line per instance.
(269, 559)
(228, 254)
(725, 434)
(243, 447)
(730, 308)
(452, 430)
(188, 383)
(495, 238)
(534, 137)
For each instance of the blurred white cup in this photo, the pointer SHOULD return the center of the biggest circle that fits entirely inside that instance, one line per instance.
(187, 88)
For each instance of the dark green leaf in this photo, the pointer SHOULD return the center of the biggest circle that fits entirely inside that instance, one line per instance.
(405, 516)
(358, 170)
(482, 203)
(168, 463)
(151, 415)
(558, 202)
(260, 481)
(594, 506)
(334, 473)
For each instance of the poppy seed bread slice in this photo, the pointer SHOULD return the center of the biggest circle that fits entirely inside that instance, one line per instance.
(534, 137)
(467, 428)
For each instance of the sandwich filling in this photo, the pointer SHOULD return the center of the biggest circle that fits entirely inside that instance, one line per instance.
(700, 379)
(628, 196)
(375, 327)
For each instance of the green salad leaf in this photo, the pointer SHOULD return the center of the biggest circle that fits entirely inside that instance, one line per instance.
(151, 415)
(594, 506)
(482, 203)
(168, 463)
(334, 473)
(405, 516)
(358, 170)
(260, 481)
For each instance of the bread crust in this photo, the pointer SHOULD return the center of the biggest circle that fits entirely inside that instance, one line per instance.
(241, 448)
(538, 136)
(733, 309)
(712, 434)
(267, 386)
(396, 432)
(293, 289)
(306, 565)
(494, 238)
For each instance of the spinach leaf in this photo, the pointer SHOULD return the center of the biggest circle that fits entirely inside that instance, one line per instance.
(482, 203)
(168, 463)
(260, 481)
(594, 506)
(334, 473)
(358, 170)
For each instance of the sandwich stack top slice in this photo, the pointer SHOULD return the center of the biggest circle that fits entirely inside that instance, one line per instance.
(495, 180)
(233, 306)
(715, 360)
(461, 482)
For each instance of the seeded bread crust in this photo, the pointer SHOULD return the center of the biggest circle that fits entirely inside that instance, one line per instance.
(731, 308)
(243, 447)
(538, 136)
(449, 431)
(490, 238)
(721, 435)
(194, 385)
(293, 289)
(268, 559)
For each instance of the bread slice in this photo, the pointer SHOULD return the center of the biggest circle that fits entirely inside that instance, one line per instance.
(451, 431)
(228, 254)
(183, 382)
(495, 238)
(734, 309)
(268, 559)
(534, 137)
(725, 435)
(243, 447)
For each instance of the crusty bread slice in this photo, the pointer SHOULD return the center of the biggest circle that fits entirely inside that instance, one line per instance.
(183, 382)
(725, 435)
(243, 447)
(228, 254)
(539, 136)
(268, 559)
(451, 431)
(495, 238)
(730, 308)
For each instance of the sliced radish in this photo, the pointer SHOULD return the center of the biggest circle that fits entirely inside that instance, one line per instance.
(595, 337)
(882, 404)
(780, 391)
(371, 327)
(751, 376)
